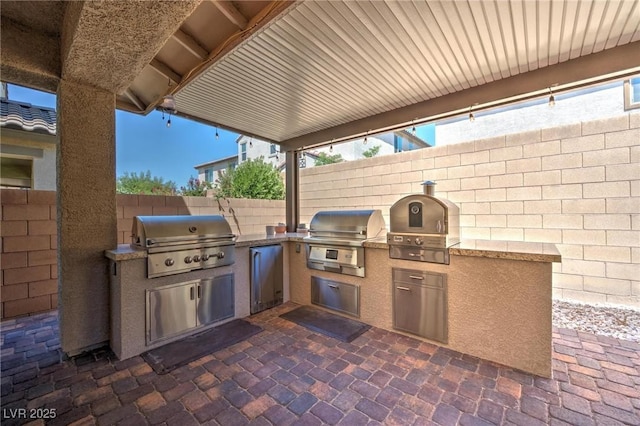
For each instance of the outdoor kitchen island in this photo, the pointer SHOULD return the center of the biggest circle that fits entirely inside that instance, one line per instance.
(498, 297)
(498, 294)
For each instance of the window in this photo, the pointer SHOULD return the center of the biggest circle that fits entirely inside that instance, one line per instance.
(208, 175)
(16, 172)
(272, 149)
(632, 93)
(243, 151)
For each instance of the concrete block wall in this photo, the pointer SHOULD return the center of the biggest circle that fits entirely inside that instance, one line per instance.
(29, 250)
(245, 216)
(577, 186)
(29, 274)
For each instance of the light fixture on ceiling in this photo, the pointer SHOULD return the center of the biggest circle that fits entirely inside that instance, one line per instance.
(471, 117)
(552, 99)
(168, 106)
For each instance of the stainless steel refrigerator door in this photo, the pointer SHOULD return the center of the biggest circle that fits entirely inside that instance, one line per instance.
(266, 277)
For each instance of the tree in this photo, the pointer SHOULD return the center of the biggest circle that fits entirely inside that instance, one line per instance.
(251, 179)
(371, 152)
(195, 188)
(132, 183)
(324, 158)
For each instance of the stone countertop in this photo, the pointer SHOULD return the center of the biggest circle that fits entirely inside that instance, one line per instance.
(126, 252)
(512, 250)
(255, 240)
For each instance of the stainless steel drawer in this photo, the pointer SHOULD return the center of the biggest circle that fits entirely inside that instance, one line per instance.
(335, 295)
(411, 276)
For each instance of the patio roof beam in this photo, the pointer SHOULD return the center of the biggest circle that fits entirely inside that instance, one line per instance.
(103, 51)
(19, 65)
(608, 65)
(164, 70)
(231, 13)
(190, 44)
(135, 99)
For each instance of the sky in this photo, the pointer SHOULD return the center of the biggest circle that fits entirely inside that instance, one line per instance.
(145, 143)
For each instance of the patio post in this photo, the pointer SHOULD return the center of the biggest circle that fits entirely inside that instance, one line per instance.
(292, 168)
(86, 210)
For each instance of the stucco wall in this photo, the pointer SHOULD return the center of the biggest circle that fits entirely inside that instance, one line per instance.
(29, 250)
(577, 186)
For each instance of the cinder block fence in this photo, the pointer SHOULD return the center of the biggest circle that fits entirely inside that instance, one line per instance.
(577, 186)
(29, 237)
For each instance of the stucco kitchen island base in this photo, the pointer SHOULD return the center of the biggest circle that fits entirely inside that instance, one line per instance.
(499, 305)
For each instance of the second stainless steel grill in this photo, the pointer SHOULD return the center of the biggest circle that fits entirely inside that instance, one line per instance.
(336, 239)
(177, 244)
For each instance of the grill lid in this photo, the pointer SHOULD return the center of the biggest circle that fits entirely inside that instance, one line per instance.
(160, 231)
(347, 225)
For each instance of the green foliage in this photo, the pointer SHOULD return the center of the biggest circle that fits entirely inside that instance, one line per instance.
(251, 179)
(324, 158)
(195, 188)
(371, 152)
(144, 183)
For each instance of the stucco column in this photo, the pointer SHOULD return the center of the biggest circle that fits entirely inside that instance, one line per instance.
(87, 223)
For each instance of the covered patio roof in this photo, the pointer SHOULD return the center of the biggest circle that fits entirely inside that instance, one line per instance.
(304, 73)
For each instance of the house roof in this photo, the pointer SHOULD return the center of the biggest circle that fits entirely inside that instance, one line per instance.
(228, 159)
(27, 117)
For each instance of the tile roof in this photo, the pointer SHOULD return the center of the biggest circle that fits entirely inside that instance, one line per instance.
(24, 116)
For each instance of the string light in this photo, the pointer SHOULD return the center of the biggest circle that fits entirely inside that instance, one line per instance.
(366, 137)
(413, 129)
(471, 117)
(169, 121)
(251, 143)
(552, 99)
(331, 148)
(217, 135)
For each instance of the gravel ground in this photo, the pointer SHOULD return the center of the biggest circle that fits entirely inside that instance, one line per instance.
(621, 323)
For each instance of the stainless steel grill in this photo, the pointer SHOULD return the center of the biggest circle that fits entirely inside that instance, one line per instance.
(336, 239)
(423, 227)
(178, 244)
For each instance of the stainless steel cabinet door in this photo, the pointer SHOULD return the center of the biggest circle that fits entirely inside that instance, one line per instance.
(216, 300)
(420, 309)
(170, 310)
(266, 277)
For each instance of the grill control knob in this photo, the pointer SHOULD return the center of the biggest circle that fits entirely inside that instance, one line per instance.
(419, 241)
(205, 257)
(188, 259)
(169, 262)
(196, 258)
(221, 255)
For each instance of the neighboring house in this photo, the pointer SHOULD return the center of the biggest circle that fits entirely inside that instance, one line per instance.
(28, 148)
(250, 148)
(210, 171)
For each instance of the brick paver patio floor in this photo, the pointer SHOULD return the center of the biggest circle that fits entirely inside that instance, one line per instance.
(290, 375)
